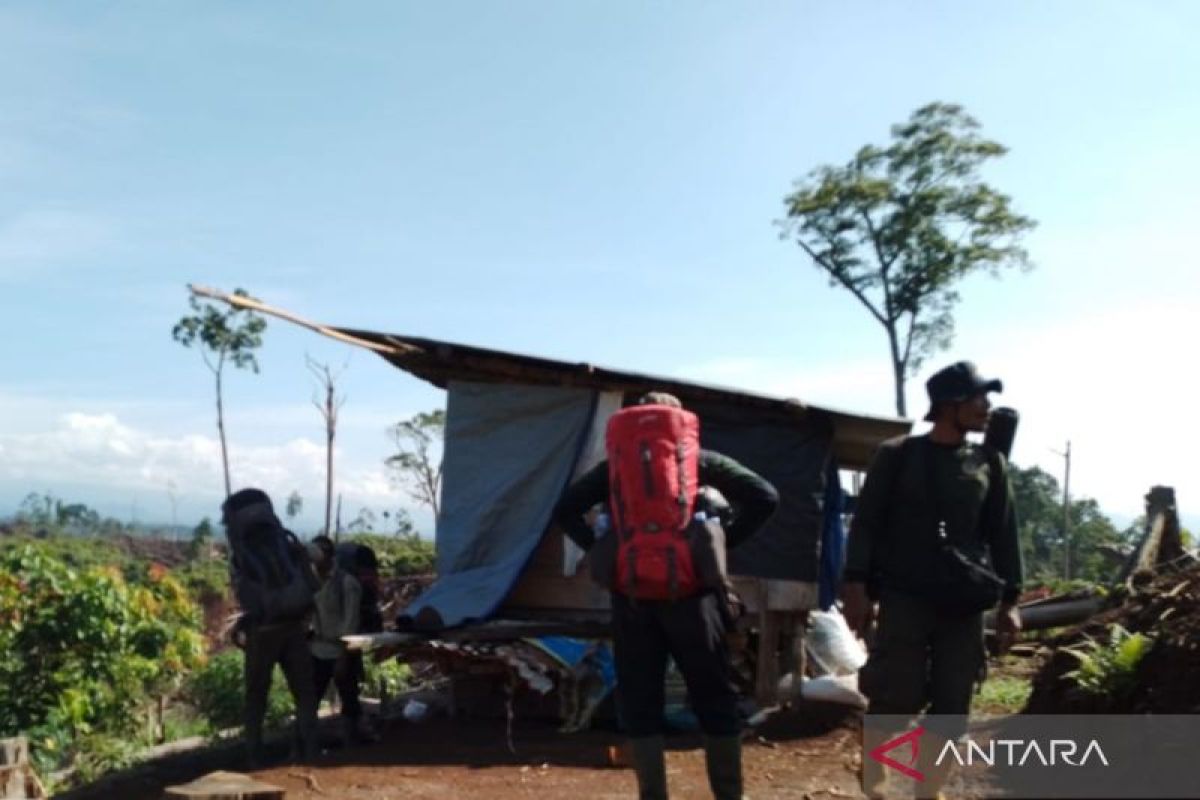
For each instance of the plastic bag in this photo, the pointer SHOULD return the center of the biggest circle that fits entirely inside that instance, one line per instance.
(415, 711)
(841, 689)
(831, 644)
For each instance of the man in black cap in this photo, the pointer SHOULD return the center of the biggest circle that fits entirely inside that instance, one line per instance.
(920, 494)
(274, 585)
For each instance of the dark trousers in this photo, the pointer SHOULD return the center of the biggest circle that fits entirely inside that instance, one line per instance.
(286, 645)
(691, 631)
(346, 672)
(922, 658)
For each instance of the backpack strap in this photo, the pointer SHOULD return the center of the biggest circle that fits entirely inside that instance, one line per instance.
(680, 462)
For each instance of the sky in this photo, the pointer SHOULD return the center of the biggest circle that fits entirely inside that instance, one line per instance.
(563, 179)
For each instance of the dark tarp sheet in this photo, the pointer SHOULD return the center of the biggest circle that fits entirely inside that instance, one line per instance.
(791, 454)
(510, 450)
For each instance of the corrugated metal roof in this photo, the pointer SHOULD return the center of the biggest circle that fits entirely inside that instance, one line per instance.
(855, 435)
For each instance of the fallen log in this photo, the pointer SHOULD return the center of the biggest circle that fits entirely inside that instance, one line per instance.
(1052, 613)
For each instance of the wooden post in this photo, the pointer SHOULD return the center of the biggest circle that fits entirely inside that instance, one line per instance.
(17, 779)
(1160, 503)
(14, 755)
(766, 677)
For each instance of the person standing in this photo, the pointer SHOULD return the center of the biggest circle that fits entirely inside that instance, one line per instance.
(338, 614)
(660, 606)
(923, 495)
(274, 585)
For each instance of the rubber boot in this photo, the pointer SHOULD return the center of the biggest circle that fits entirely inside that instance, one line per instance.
(650, 764)
(723, 758)
(874, 778)
(255, 756)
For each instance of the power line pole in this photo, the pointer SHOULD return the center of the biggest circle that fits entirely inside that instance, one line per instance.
(1066, 508)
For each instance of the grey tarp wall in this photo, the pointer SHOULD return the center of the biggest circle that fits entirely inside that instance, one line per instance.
(792, 454)
(510, 450)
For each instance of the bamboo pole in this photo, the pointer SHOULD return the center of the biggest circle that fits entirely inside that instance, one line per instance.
(251, 304)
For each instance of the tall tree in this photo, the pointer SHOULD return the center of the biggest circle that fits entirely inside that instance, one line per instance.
(1038, 501)
(329, 404)
(899, 226)
(223, 335)
(414, 465)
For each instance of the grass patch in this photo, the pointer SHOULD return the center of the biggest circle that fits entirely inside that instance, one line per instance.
(1003, 694)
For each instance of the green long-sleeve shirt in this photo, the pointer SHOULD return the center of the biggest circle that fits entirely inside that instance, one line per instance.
(893, 534)
(753, 499)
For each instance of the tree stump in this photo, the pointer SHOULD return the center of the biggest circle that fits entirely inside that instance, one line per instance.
(225, 786)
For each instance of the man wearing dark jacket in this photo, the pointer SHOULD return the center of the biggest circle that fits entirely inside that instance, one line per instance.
(927, 652)
(269, 638)
(690, 630)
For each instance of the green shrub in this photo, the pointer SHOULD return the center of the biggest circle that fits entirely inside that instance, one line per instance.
(82, 652)
(1109, 669)
(205, 578)
(218, 693)
(386, 677)
(399, 555)
(101, 753)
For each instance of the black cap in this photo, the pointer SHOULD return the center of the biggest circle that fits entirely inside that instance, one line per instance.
(956, 383)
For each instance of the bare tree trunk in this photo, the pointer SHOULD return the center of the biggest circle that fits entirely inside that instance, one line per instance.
(221, 433)
(898, 369)
(1066, 509)
(328, 406)
(337, 533)
(432, 490)
(330, 432)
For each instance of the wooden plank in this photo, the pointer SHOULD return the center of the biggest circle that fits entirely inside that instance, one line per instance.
(14, 751)
(15, 773)
(766, 594)
(12, 781)
(225, 786)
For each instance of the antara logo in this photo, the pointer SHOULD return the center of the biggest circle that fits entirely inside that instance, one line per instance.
(913, 737)
(1006, 752)
(1019, 752)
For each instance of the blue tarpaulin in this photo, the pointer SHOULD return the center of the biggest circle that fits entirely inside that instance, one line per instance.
(510, 452)
(833, 540)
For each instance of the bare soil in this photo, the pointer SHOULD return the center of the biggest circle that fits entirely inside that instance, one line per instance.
(810, 752)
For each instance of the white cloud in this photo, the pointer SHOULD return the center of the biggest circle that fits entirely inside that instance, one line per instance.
(1114, 382)
(101, 450)
(850, 384)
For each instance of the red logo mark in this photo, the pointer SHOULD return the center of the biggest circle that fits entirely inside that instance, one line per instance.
(913, 737)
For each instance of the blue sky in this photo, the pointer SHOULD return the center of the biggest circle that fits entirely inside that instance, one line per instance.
(553, 178)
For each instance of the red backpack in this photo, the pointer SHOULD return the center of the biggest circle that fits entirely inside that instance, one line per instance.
(653, 475)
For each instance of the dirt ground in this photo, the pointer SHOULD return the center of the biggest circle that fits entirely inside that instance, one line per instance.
(809, 752)
(1166, 608)
(442, 758)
